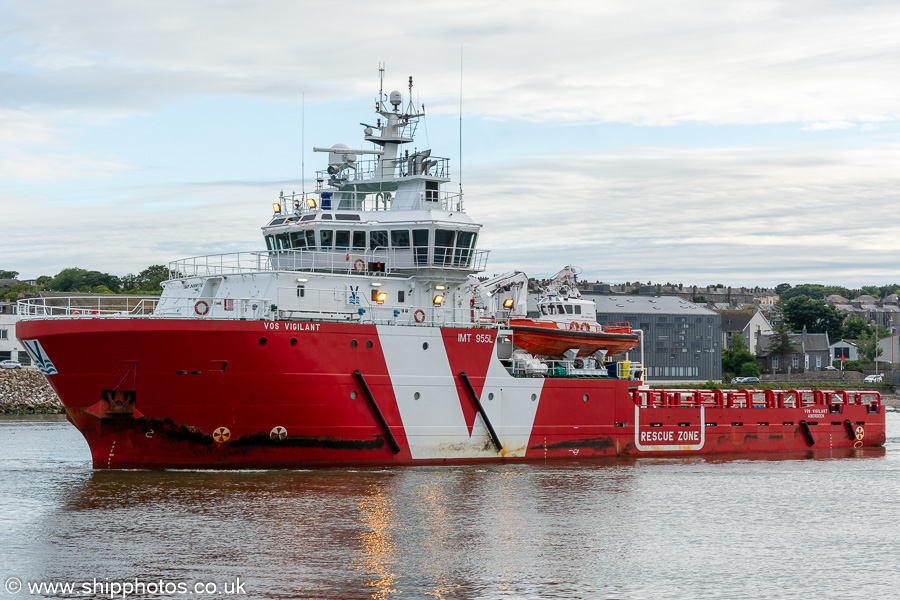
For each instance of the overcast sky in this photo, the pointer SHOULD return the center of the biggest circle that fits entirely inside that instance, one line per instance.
(742, 143)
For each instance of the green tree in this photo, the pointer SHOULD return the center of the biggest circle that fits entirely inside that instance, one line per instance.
(8, 274)
(781, 342)
(854, 327)
(867, 346)
(749, 369)
(699, 299)
(81, 280)
(736, 355)
(817, 316)
(810, 290)
(853, 365)
(12, 292)
(782, 288)
(871, 290)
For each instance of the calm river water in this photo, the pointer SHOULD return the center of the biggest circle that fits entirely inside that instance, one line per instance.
(651, 528)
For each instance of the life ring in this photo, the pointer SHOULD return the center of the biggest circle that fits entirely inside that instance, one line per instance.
(75, 312)
(585, 326)
(573, 326)
(201, 307)
(359, 265)
(419, 315)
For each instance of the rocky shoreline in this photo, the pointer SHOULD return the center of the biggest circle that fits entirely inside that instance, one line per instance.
(26, 392)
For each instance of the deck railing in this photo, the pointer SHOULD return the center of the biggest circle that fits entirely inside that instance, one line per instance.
(752, 398)
(87, 306)
(345, 261)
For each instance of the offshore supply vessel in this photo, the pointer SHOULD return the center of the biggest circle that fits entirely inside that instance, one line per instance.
(363, 335)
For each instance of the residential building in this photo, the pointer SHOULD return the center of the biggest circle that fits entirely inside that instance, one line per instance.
(810, 352)
(749, 323)
(844, 350)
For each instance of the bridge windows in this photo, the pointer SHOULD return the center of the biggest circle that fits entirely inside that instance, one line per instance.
(400, 238)
(378, 239)
(342, 239)
(443, 246)
(298, 240)
(420, 242)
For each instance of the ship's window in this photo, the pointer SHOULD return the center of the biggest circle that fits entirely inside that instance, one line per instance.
(276, 222)
(465, 242)
(400, 238)
(308, 217)
(431, 191)
(420, 241)
(282, 241)
(560, 310)
(326, 236)
(359, 240)
(298, 240)
(577, 309)
(347, 217)
(443, 246)
(378, 239)
(569, 308)
(326, 217)
(543, 308)
(310, 239)
(270, 242)
(401, 296)
(342, 239)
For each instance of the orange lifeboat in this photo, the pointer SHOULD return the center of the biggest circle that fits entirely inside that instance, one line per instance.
(545, 337)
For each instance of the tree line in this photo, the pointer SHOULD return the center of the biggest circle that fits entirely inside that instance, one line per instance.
(74, 279)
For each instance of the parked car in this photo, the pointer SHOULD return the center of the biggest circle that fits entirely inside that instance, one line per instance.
(744, 380)
(10, 364)
(738, 380)
(830, 368)
(874, 378)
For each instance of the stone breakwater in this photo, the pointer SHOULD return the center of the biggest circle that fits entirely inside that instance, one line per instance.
(25, 391)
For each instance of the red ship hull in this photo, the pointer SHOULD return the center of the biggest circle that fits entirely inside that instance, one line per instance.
(158, 393)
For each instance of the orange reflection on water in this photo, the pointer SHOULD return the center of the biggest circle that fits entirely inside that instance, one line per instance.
(379, 544)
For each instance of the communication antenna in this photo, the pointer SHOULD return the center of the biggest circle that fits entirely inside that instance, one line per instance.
(380, 83)
(460, 117)
(303, 145)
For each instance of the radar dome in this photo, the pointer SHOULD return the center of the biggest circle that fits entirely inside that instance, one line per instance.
(395, 98)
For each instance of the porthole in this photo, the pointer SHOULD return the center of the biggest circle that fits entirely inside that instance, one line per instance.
(369, 344)
(293, 341)
(533, 397)
(585, 397)
(353, 395)
(353, 343)
(491, 396)
(425, 346)
(262, 341)
(416, 396)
